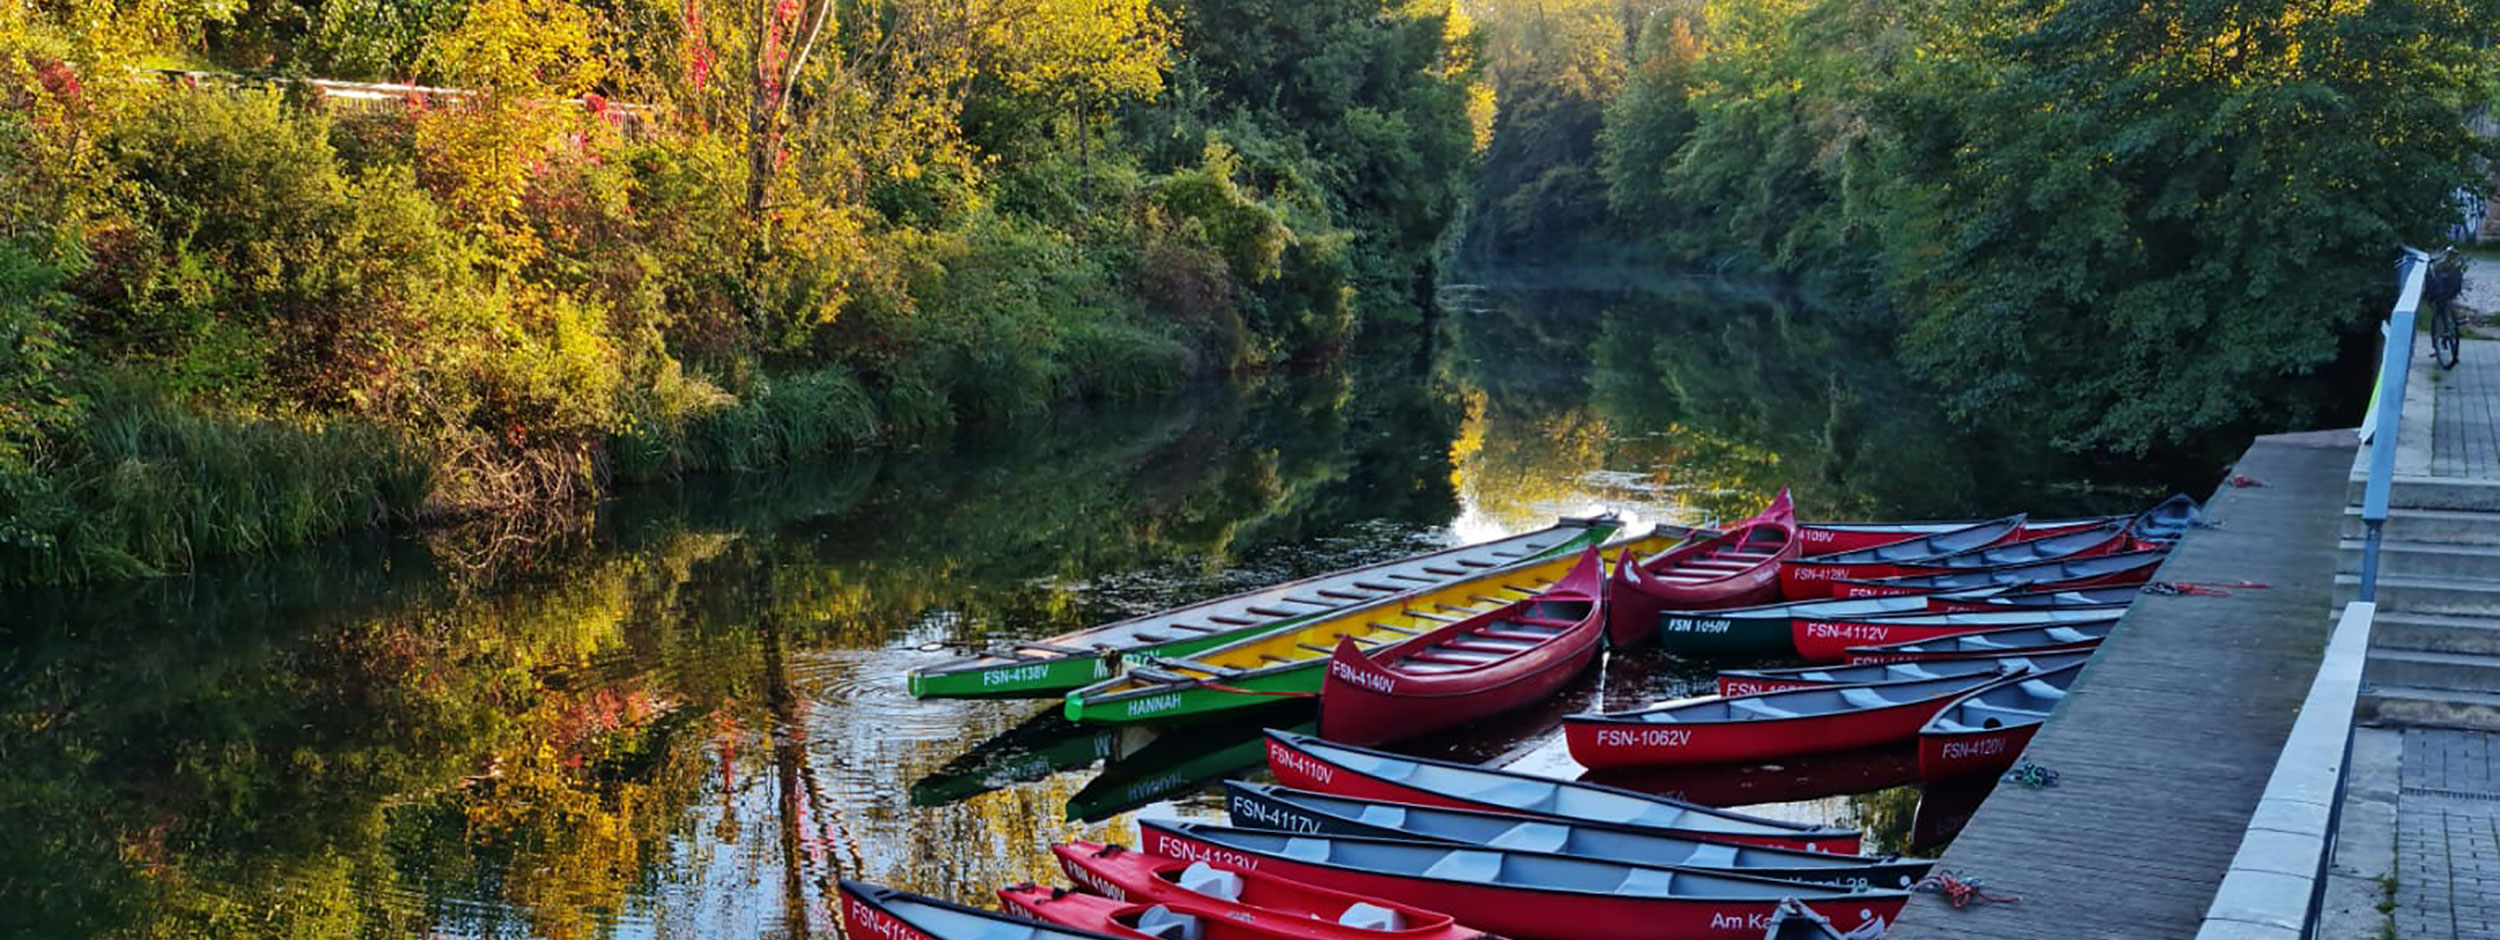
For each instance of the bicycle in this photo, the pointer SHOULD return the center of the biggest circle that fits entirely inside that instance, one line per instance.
(2440, 287)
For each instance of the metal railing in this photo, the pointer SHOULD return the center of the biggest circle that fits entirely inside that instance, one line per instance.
(2383, 426)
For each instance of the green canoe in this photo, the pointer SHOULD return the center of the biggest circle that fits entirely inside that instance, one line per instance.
(1068, 661)
(1288, 663)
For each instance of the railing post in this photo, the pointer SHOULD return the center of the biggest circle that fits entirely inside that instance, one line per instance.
(2396, 359)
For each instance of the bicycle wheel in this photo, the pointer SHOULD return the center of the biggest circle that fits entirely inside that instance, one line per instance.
(2447, 346)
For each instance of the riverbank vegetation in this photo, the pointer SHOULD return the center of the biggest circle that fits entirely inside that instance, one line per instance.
(2119, 226)
(243, 312)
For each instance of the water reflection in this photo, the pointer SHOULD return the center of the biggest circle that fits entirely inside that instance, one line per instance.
(688, 717)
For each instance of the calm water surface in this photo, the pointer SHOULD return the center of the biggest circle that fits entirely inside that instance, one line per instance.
(687, 716)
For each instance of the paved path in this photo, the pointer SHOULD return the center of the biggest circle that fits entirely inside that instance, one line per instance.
(2167, 739)
(2465, 430)
(2448, 837)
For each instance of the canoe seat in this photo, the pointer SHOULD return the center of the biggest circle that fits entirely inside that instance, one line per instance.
(1711, 855)
(1543, 621)
(1642, 881)
(2038, 689)
(2068, 635)
(1532, 837)
(1757, 708)
(1864, 698)
(1383, 814)
(1366, 916)
(1485, 645)
(1163, 923)
(1467, 866)
(1516, 794)
(1307, 850)
(1208, 880)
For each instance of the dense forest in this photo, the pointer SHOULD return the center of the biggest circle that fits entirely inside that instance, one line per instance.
(619, 240)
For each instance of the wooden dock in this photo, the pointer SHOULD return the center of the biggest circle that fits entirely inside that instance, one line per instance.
(2166, 741)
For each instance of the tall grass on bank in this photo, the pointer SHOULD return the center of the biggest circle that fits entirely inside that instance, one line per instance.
(144, 486)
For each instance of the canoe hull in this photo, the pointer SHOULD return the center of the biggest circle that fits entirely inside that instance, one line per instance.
(2045, 581)
(1703, 633)
(1859, 656)
(1303, 771)
(1945, 755)
(1527, 913)
(1599, 744)
(1640, 592)
(1140, 877)
(1363, 701)
(1829, 641)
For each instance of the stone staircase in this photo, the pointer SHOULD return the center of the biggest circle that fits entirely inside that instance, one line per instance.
(2435, 644)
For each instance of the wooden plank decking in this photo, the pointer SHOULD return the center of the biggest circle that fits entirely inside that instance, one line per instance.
(2166, 741)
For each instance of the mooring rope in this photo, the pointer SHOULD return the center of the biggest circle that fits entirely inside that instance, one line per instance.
(1959, 892)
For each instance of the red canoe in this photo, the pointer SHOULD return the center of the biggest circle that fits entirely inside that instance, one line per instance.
(1168, 919)
(1829, 641)
(1750, 681)
(2026, 642)
(2034, 600)
(1510, 657)
(1810, 577)
(1980, 733)
(1308, 763)
(1527, 895)
(1739, 567)
(1824, 538)
(1763, 726)
(2064, 573)
(873, 912)
(1249, 896)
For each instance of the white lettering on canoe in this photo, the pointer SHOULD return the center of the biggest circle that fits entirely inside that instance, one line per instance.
(1757, 923)
(879, 923)
(1827, 630)
(1187, 851)
(1814, 574)
(1015, 674)
(1644, 737)
(1373, 681)
(1964, 750)
(1699, 624)
(1754, 686)
(1101, 885)
(1152, 704)
(1299, 762)
(1271, 816)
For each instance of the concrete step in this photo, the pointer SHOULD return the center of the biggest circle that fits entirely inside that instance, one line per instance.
(2468, 597)
(2438, 526)
(2435, 633)
(2427, 708)
(2423, 559)
(2424, 492)
(2421, 669)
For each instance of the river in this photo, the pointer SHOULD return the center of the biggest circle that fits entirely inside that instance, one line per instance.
(686, 716)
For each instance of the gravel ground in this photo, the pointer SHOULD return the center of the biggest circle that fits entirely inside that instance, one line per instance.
(2482, 285)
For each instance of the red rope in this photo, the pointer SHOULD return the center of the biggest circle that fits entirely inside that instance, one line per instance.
(1959, 892)
(2201, 588)
(2245, 482)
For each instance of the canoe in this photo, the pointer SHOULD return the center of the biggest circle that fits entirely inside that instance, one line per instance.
(2167, 520)
(1522, 895)
(1762, 726)
(2080, 543)
(2026, 642)
(1507, 658)
(1054, 665)
(1981, 732)
(1267, 806)
(1307, 763)
(2034, 600)
(1763, 630)
(1750, 681)
(1249, 895)
(1044, 744)
(1795, 921)
(1807, 577)
(2098, 571)
(1829, 641)
(1734, 569)
(875, 912)
(1290, 663)
(1824, 538)
(1181, 919)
